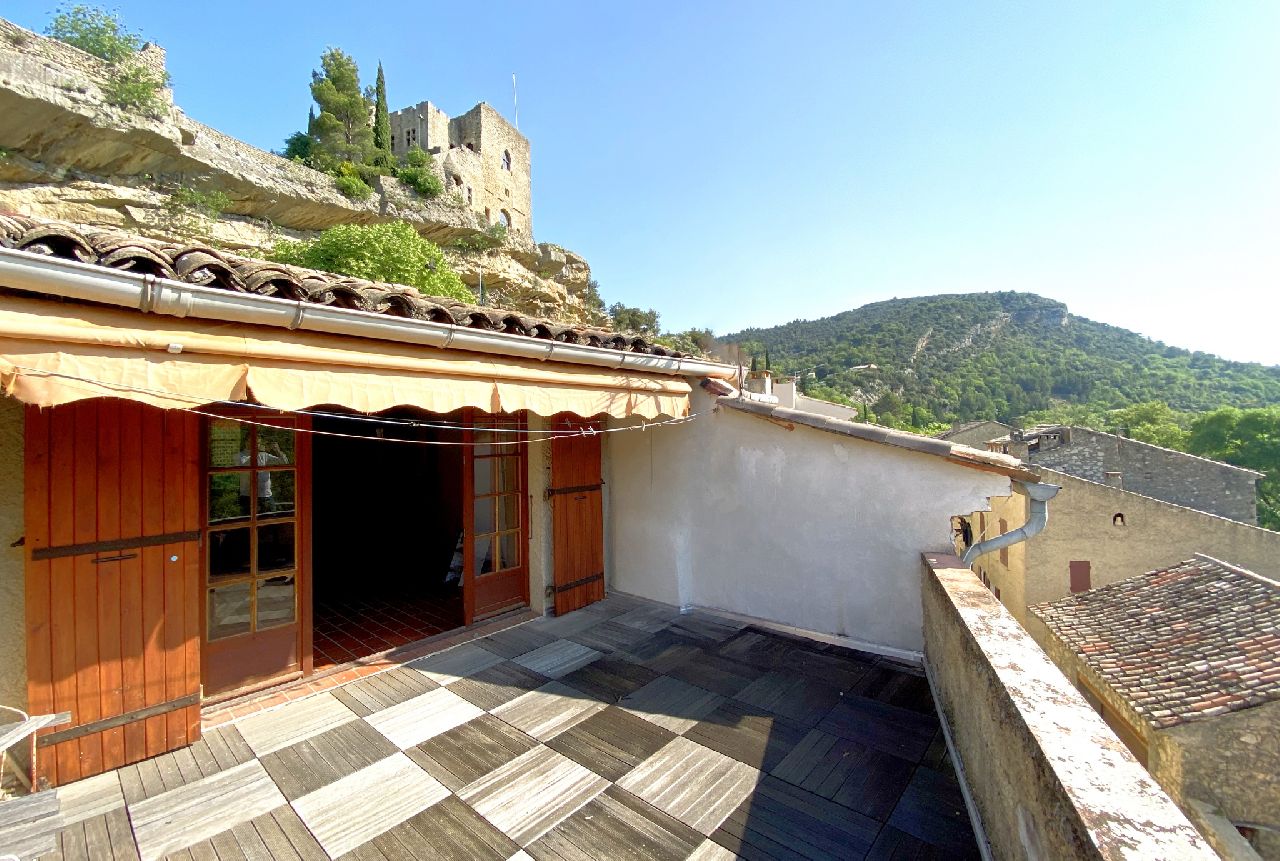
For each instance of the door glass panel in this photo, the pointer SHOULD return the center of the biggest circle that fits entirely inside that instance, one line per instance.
(509, 550)
(276, 492)
(228, 553)
(275, 547)
(275, 446)
(228, 611)
(228, 496)
(484, 554)
(228, 443)
(275, 601)
(509, 473)
(484, 516)
(484, 476)
(508, 512)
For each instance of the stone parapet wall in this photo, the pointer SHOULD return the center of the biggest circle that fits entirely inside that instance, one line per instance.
(1172, 476)
(1048, 778)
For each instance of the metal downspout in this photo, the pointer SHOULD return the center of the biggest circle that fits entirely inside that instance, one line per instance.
(1040, 495)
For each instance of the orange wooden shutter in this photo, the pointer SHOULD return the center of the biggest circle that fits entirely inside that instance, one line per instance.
(112, 594)
(577, 507)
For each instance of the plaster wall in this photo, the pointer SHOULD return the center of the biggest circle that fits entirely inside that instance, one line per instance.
(1081, 527)
(782, 522)
(1048, 778)
(1232, 761)
(13, 628)
(540, 534)
(789, 396)
(1172, 476)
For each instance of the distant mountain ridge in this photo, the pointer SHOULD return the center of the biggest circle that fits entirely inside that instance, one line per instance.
(998, 355)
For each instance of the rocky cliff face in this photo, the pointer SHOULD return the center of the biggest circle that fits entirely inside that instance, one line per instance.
(67, 154)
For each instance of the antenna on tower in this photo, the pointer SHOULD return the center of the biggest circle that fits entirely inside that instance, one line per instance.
(515, 99)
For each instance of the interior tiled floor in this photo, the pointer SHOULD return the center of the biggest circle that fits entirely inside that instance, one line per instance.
(621, 730)
(349, 628)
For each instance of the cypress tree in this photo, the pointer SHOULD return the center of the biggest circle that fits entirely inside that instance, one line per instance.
(381, 122)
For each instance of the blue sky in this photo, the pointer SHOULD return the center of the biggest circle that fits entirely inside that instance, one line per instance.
(752, 163)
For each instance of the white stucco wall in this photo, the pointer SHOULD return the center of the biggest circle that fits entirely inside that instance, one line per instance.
(13, 642)
(801, 527)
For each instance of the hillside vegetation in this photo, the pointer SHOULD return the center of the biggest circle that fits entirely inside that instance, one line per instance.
(996, 355)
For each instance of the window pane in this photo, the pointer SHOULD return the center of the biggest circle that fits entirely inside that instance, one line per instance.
(484, 476)
(484, 555)
(509, 550)
(228, 443)
(228, 611)
(228, 553)
(509, 474)
(275, 601)
(484, 516)
(508, 512)
(275, 446)
(228, 496)
(275, 547)
(276, 492)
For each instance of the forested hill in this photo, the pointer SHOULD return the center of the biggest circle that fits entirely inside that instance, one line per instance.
(996, 355)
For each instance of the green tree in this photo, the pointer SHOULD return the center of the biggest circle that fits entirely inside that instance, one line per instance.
(342, 130)
(392, 252)
(1248, 438)
(628, 319)
(94, 31)
(381, 123)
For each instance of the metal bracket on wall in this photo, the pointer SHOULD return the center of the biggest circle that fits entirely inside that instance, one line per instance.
(582, 488)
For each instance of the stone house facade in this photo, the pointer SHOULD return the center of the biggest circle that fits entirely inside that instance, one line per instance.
(976, 434)
(1160, 473)
(484, 158)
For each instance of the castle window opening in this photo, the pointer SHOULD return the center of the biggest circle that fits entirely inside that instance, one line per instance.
(505, 218)
(506, 159)
(468, 195)
(488, 216)
(410, 138)
(471, 146)
(457, 181)
(1117, 519)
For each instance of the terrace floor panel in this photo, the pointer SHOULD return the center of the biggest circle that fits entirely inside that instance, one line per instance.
(626, 729)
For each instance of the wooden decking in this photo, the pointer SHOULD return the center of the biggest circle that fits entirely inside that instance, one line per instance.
(621, 730)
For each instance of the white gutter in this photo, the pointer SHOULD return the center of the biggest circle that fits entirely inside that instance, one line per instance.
(22, 270)
(1036, 521)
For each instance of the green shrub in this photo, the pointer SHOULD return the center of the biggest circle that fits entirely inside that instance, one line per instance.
(136, 88)
(392, 252)
(350, 183)
(417, 157)
(94, 31)
(493, 236)
(209, 204)
(423, 180)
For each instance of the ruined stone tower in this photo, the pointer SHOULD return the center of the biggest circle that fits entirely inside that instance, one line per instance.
(484, 158)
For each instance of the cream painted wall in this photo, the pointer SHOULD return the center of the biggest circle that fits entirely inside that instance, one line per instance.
(13, 642)
(801, 527)
(540, 558)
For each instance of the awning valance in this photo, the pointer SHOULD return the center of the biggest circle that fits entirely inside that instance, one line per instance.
(53, 353)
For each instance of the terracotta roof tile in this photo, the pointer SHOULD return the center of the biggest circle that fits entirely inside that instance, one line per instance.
(209, 267)
(1191, 641)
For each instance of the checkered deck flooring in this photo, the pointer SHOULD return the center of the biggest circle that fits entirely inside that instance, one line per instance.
(621, 730)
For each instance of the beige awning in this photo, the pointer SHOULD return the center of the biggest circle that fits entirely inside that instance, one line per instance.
(49, 357)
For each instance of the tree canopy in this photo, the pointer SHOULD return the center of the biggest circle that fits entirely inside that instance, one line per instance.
(341, 129)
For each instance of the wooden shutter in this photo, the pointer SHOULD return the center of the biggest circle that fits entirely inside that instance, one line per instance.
(112, 596)
(577, 507)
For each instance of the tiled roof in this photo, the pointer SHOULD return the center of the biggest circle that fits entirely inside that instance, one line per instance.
(209, 267)
(966, 426)
(1199, 639)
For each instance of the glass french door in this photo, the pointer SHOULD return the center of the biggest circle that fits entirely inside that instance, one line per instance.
(253, 549)
(495, 463)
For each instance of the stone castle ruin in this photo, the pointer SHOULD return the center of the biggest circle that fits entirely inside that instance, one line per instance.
(485, 159)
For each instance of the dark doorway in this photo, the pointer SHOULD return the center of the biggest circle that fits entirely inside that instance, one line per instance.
(388, 520)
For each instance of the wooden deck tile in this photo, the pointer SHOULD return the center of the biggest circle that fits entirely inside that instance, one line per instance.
(90, 797)
(759, 649)
(514, 642)
(649, 617)
(716, 673)
(566, 625)
(616, 824)
(671, 703)
(797, 698)
(895, 845)
(533, 793)
(360, 806)
(932, 809)
(664, 651)
(706, 626)
(709, 850)
(862, 778)
(611, 742)
(696, 785)
(29, 825)
(445, 668)
(293, 722)
(499, 684)
(609, 679)
(308, 765)
(416, 720)
(902, 732)
(834, 666)
(386, 689)
(548, 711)
(468, 752)
(447, 831)
(896, 688)
(197, 811)
(781, 821)
(558, 658)
(609, 636)
(759, 739)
